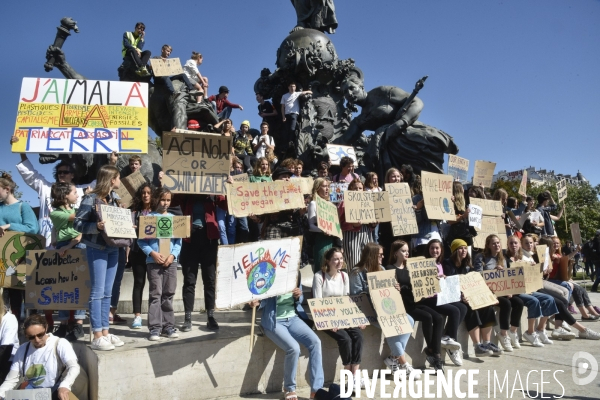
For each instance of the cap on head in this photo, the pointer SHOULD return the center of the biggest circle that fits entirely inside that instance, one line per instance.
(279, 172)
(223, 89)
(193, 124)
(247, 123)
(456, 243)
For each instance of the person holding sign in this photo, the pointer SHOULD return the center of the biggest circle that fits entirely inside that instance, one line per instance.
(102, 258)
(329, 282)
(511, 307)
(428, 229)
(321, 241)
(460, 229)
(162, 274)
(479, 322)
(370, 261)
(545, 206)
(386, 231)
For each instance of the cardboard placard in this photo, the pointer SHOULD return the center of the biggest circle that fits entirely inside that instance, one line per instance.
(337, 151)
(196, 162)
(476, 292)
(327, 218)
(13, 250)
(542, 253)
(164, 226)
(388, 304)
(423, 277)
(366, 207)
(437, 193)
(479, 240)
(518, 221)
(117, 222)
(561, 188)
(245, 198)
(28, 394)
(129, 187)
(491, 208)
(336, 191)
(503, 282)
(449, 290)
(166, 66)
(56, 282)
(306, 184)
(533, 275)
(576, 233)
(475, 216)
(491, 225)
(342, 312)
(458, 167)
(81, 116)
(523, 185)
(402, 213)
(255, 271)
(240, 178)
(483, 173)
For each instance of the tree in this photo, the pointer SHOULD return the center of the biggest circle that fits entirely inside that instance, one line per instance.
(18, 193)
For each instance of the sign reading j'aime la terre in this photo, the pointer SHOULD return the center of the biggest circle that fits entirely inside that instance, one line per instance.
(81, 116)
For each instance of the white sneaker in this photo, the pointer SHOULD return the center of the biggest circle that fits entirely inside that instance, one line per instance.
(455, 357)
(358, 381)
(514, 340)
(505, 342)
(410, 370)
(533, 339)
(102, 344)
(589, 334)
(154, 336)
(561, 333)
(392, 364)
(566, 326)
(543, 337)
(450, 344)
(114, 340)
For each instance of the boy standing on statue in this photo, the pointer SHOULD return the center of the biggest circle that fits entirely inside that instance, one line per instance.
(290, 108)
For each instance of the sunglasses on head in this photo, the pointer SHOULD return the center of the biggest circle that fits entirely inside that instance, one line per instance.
(39, 336)
(63, 172)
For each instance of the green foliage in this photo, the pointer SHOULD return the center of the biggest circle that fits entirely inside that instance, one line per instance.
(158, 142)
(18, 194)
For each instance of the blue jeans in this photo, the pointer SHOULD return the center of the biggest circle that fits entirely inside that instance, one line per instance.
(63, 315)
(116, 287)
(563, 284)
(287, 334)
(547, 303)
(103, 268)
(397, 343)
(226, 223)
(538, 305)
(225, 113)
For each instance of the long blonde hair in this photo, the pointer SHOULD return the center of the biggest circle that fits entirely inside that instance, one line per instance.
(316, 186)
(458, 191)
(104, 180)
(369, 259)
(488, 253)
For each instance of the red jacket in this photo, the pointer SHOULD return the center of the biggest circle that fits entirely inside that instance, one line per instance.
(221, 103)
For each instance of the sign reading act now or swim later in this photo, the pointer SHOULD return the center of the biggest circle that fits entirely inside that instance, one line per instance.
(81, 116)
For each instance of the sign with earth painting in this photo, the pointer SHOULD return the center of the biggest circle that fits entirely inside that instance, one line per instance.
(388, 304)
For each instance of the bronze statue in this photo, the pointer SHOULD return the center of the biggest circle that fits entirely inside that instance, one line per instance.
(315, 14)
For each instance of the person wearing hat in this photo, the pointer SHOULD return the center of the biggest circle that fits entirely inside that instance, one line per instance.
(242, 146)
(221, 105)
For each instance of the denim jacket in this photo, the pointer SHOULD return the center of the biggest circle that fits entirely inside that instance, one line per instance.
(149, 245)
(86, 220)
(269, 315)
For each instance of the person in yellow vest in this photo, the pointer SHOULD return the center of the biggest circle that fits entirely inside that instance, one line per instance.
(133, 43)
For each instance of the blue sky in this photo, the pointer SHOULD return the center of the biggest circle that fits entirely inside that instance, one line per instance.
(515, 82)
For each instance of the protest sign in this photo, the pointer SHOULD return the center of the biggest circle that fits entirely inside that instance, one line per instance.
(327, 218)
(492, 208)
(164, 226)
(576, 233)
(366, 207)
(518, 221)
(28, 394)
(56, 282)
(336, 191)
(402, 213)
(437, 193)
(483, 173)
(166, 66)
(388, 304)
(423, 277)
(195, 162)
(503, 282)
(479, 240)
(255, 271)
(129, 186)
(523, 185)
(13, 248)
(476, 292)
(458, 167)
(342, 312)
(475, 216)
(532, 275)
(542, 253)
(561, 188)
(81, 116)
(306, 184)
(117, 222)
(245, 198)
(240, 178)
(336, 152)
(449, 290)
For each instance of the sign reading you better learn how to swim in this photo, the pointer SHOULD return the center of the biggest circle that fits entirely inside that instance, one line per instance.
(195, 162)
(81, 116)
(342, 312)
(256, 271)
(245, 198)
(437, 193)
(388, 304)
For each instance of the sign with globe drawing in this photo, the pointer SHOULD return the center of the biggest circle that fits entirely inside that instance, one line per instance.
(13, 249)
(388, 304)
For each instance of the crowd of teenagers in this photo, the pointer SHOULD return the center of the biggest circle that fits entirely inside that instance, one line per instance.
(70, 218)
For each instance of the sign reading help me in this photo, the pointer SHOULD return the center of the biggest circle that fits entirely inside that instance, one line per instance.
(160, 227)
(56, 282)
(437, 193)
(256, 271)
(245, 198)
(195, 163)
(388, 304)
(117, 222)
(342, 312)
(81, 116)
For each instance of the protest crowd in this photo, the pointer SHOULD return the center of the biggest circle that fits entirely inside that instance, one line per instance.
(70, 218)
